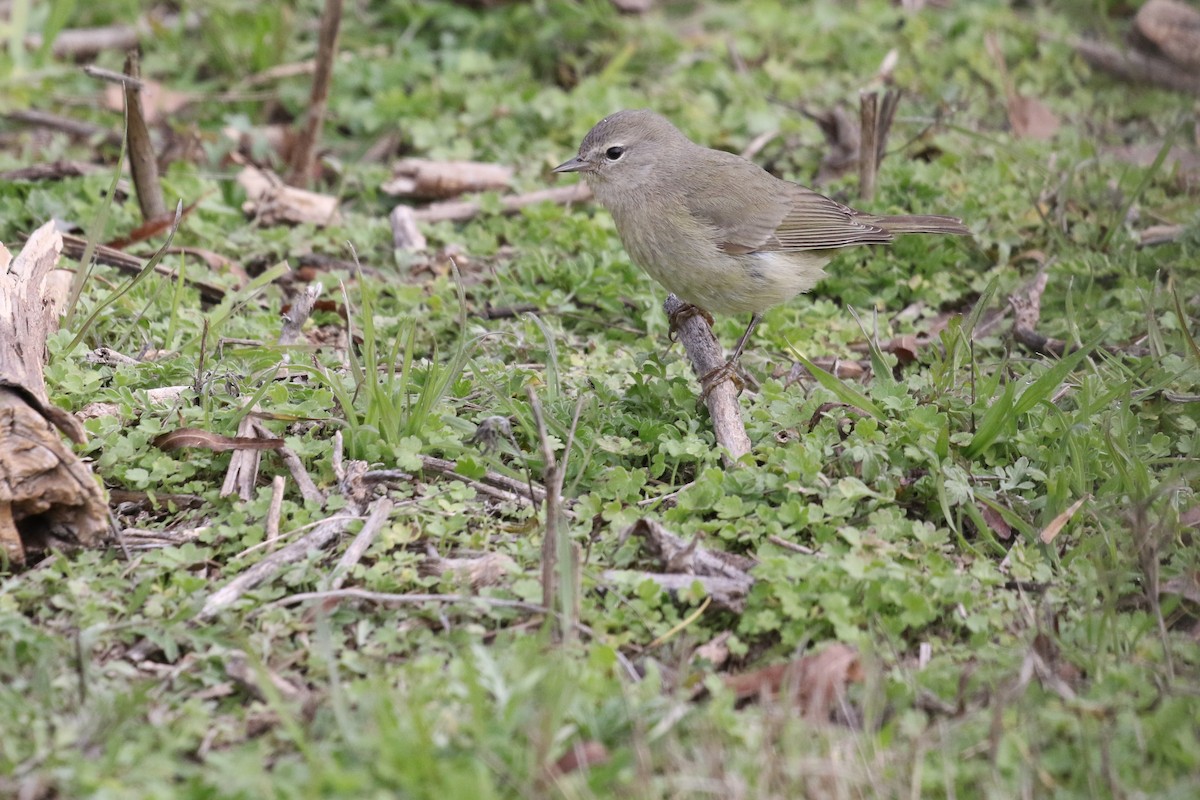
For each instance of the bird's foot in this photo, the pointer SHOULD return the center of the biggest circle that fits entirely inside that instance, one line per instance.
(715, 377)
(683, 314)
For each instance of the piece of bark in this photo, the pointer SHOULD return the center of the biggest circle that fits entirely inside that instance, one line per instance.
(1138, 67)
(304, 154)
(461, 211)
(437, 180)
(722, 401)
(1169, 28)
(678, 555)
(406, 234)
(48, 497)
(726, 594)
(271, 202)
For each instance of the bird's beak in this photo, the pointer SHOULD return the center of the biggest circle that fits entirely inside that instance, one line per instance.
(576, 164)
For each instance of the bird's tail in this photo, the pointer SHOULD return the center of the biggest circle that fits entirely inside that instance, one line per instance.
(919, 223)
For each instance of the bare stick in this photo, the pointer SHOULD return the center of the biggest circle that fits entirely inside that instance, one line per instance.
(380, 510)
(868, 151)
(142, 161)
(722, 400)
(264, 570)
(460, 211)
(304, 156)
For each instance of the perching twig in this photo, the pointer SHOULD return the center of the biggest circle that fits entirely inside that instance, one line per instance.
(304, 155)
(722, 400)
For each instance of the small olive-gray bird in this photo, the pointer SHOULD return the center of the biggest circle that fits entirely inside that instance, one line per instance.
(717, 230)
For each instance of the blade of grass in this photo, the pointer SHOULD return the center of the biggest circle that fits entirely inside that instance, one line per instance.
(842, 390)
(146, 271)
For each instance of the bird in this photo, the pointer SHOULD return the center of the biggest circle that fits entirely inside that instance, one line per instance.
(717, 230)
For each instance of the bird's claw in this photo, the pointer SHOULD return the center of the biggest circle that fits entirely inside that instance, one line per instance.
(683, 314)
(715, 377)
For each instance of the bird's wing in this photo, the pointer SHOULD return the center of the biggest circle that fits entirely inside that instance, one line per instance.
(814, 222)
(741, 218)
(750, 214)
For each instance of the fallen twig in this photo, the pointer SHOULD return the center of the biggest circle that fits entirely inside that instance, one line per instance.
(460, 211)
(377, 517)
(1132, 65)
(437, 180)
(722, 399)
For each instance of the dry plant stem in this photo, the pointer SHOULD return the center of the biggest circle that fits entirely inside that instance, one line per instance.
(304, 155)
(1133, 66)
(143, 163)
(461, 211)
(722, 399)
(380, 510)
(868, 148)
(552, 553)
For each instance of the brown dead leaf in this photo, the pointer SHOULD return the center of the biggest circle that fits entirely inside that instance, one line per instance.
(995, 521)
(581, 756)
(1056, 524)
(194, 437)
(816, 683)
(1030, 118)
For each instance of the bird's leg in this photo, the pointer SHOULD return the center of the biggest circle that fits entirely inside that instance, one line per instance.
(684, 313)
(728, 370)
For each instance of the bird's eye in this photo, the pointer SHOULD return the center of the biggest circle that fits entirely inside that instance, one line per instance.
(613, 153)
